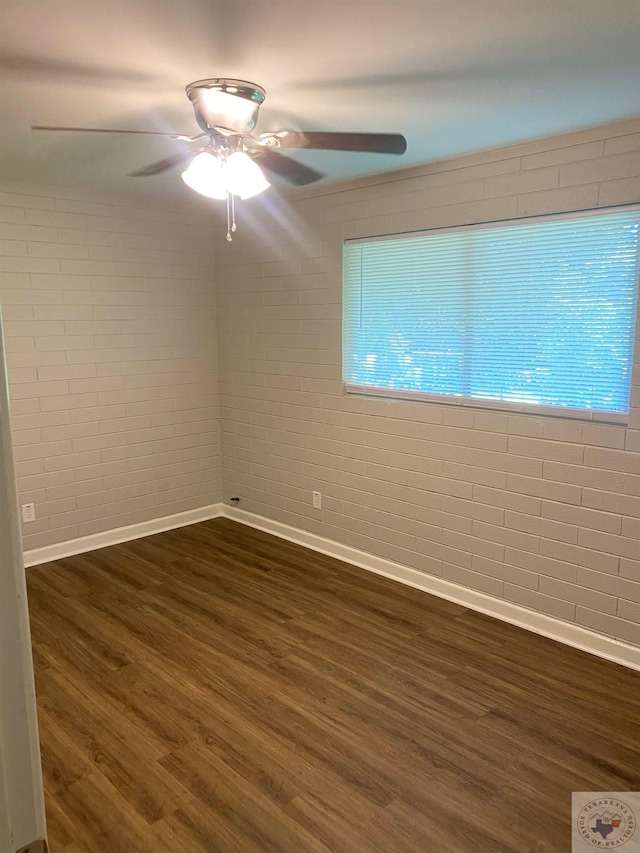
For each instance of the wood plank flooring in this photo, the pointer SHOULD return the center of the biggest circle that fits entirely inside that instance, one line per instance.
(214, 688)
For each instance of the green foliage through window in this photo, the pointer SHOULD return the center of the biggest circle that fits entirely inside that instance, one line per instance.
(532, 312)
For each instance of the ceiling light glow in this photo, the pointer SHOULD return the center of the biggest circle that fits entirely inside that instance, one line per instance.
(225, 109)
(205, 176)
(215, 176)
(244, 177)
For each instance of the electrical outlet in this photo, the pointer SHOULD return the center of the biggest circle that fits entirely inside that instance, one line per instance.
(28, 512)
(317, 500)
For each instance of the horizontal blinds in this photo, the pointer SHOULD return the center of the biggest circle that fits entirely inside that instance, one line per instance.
(538, 312)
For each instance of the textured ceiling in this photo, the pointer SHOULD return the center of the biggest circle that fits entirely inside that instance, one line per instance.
(453, 75)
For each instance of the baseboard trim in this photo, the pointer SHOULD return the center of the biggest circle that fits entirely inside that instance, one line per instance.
(47, 553)
(548, 626)
(539, 623)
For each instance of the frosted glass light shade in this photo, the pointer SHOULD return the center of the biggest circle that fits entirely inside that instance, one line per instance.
(243, 176)
(214, 176)
(206, 176)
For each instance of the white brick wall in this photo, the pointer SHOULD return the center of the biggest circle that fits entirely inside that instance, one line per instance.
(110, 331)
(539, 511)
(111, 335)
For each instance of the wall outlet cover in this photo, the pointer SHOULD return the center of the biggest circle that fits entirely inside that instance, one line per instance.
(28, 512)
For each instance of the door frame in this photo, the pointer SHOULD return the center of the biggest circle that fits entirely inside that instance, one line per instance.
(22, 816)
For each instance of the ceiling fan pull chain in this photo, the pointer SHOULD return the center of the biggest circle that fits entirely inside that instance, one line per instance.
(233, 212)
(229, 237)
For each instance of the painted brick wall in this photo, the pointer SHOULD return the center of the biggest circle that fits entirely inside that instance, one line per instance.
(109, 315)
(542, 512)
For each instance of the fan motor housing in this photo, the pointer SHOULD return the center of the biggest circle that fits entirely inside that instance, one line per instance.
(226, 103)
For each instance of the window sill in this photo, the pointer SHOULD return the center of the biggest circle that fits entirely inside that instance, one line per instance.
(615, 418)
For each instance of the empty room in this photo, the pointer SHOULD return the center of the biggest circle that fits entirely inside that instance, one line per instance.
(319, 426)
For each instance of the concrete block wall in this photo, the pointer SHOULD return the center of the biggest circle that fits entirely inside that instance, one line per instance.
(110, 331)
(539, 511)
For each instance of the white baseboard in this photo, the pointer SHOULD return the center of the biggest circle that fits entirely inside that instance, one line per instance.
(548, 626)
(120, 534)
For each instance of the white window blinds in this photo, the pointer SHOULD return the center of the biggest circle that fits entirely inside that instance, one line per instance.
(528, 313)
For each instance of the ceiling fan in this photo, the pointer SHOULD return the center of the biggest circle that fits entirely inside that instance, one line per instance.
(225, 165)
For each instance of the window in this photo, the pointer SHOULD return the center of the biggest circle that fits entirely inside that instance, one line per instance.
(532, 315)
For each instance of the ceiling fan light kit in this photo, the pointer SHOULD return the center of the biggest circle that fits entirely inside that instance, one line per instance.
(226, 111)
(225, 176)
(215, 176)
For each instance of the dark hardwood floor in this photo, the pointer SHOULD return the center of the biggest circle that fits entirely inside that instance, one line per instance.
(214, 688)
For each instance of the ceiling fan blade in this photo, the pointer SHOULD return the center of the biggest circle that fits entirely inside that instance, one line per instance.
(110, 130)
(166, 163)
(376, 143)
(294, 172)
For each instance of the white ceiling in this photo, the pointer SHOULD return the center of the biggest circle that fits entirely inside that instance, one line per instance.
(453, 75)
